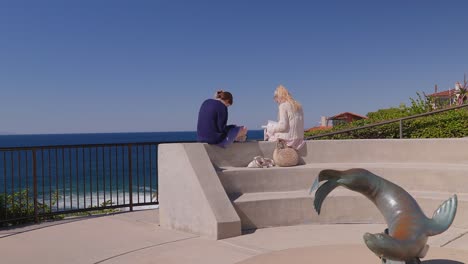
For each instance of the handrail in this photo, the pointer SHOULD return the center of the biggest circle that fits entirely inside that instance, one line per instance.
(92, 145)
(387, 122)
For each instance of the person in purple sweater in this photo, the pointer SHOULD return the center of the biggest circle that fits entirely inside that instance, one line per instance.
(212, 125)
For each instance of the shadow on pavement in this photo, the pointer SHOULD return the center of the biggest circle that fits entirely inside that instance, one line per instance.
(441, 261)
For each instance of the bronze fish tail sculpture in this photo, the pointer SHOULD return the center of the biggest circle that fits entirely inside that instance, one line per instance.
(408, 227)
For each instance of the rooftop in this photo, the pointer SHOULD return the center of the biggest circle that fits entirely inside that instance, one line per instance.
(446, 93)
(346, 115)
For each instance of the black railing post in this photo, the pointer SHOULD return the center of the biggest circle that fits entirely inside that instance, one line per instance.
(36, 217)
(401, 128)
(130, 180)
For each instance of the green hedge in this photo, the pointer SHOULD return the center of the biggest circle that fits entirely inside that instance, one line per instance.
(450, 124)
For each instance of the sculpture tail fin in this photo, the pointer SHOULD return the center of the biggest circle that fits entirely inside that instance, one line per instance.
(324, 175)
(443, 217)
(315, 185)
(322, 193)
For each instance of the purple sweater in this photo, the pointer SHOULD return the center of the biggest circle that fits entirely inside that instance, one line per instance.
(212, 120)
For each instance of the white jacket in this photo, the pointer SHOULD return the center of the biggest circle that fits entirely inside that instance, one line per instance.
(290, 126)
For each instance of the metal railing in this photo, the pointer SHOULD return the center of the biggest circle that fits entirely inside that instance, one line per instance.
(400, 120)
(43, 182)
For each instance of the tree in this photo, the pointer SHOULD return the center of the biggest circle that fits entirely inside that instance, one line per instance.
(461, 91)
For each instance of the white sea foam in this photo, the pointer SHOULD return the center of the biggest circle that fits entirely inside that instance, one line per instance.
(79, 202)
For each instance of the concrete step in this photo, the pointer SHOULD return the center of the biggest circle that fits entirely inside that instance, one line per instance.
(269, 209)
(410, 176)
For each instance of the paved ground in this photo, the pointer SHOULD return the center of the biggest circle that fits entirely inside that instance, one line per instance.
(135, 237)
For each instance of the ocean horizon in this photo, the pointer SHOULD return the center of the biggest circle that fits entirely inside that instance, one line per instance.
(42, 140)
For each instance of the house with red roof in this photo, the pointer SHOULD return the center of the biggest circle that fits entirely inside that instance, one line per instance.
(345, 117)
(443, 98)
(454, 96)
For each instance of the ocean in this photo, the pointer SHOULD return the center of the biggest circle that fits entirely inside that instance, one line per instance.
(105, 138)
(76, 171)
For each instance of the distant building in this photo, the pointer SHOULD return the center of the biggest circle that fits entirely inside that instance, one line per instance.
(346, 117)
(443, 98)
(455, 96)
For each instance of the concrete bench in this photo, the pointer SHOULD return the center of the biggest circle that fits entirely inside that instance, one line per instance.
(242, 198)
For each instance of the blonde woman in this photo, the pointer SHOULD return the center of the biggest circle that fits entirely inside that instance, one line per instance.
(290, 125)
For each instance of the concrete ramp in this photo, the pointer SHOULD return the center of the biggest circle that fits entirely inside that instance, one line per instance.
(191, 196)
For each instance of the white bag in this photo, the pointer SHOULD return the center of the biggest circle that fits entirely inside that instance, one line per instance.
(261, 162)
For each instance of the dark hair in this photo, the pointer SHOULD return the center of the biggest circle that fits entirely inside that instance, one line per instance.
(225, 96)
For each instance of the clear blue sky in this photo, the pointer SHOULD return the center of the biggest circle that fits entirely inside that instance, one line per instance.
(140, 66)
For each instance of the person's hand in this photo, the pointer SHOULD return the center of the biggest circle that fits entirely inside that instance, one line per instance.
(244, 130)
(265, 134)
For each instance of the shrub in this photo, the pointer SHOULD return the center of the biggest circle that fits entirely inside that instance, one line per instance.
(18, 208)
(448, 124)
(14, 206)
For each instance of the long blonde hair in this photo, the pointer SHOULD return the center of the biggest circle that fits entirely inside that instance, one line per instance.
(283, 94)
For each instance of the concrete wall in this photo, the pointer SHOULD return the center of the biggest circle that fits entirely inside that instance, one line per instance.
(451, 150)
(191, 196)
